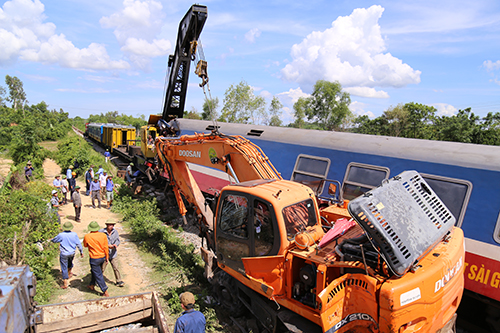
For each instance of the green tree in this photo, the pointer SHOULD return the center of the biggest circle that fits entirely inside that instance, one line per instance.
(462, 127)
(488, 132)
(210, 106)
(17, 96)
(299, 114)
(2, 96)
(397, 119)
(193, 114)
(420, 121)
(275, 112)
(327, 108)
(242, 106)
(328, 105)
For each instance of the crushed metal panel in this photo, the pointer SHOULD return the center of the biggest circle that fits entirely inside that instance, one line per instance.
(404, 218)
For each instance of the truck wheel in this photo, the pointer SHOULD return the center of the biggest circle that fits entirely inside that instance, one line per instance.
(226, 291)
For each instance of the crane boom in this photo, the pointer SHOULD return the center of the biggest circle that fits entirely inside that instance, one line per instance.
(179, 63)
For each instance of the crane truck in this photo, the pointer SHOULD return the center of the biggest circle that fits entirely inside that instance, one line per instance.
(299, 261)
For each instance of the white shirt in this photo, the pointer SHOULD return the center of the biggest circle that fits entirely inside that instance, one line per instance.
(102, 180)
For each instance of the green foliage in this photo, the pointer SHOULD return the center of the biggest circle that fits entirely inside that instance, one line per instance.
(210, 107)
(16, 92)
(193, 114)
(76, 148)
(115, 118)
(326, 109)
(172, 297)
(242, 106)
(275, 112)
(24, 222)
(24, 144)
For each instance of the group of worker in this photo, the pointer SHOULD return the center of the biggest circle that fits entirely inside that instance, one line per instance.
(102, 245)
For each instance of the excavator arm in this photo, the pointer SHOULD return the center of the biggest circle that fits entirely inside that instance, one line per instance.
(235, 155)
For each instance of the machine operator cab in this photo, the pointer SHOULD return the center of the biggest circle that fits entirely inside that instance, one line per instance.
(157, 126)
(261, 218)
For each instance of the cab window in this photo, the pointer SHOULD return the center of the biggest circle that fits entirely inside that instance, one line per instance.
(263, 228)
(234, 216)
(298, 217)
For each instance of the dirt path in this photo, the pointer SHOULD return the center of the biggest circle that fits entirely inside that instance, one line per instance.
(133, 270)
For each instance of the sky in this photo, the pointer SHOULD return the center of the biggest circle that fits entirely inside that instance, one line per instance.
(89, 57)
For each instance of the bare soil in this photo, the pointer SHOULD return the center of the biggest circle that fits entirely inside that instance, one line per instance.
(132, 268)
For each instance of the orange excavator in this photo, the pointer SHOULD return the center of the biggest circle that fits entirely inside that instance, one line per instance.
(388, 261)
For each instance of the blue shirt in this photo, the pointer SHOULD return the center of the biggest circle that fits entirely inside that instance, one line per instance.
(109, 185)
(69, 242)
(191, 321)
(57, 182)
(100, 171)
(94, 186)
(107, 154)
(69, 173)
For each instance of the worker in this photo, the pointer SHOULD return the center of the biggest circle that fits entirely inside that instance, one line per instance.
(72, 183)
(107, 155)
(190, 320)
(28, 171)
(54, 204)
(69, 172)
(88, 180)
(57, 182)
(150, 140)
(77, 203)
(95, 191)
(102, 182)
(100, 171)
(113, 242)
(110, 189)
(69, 241)
(64, 190)
(97, 243)
(128, 173)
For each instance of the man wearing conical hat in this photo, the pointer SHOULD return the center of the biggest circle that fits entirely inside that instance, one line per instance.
(69, 241)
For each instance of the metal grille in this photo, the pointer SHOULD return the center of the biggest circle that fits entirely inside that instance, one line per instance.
(404, 219)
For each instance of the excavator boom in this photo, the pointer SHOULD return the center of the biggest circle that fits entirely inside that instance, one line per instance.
(235, 155)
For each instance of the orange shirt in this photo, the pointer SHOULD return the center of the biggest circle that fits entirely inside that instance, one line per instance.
(97, 242)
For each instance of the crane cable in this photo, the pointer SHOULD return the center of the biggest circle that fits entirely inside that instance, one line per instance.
(208, 98)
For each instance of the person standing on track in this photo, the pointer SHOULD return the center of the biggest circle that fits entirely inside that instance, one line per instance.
(97, 243)
(69, 241)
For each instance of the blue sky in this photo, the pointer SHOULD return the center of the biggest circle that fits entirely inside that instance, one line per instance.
(91, 57)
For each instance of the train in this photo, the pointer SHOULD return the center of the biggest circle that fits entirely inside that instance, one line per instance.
(465, 176)
(111, 136)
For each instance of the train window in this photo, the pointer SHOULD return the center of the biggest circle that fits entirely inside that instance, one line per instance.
(454, 193)
(496, 235)
(310, 170)
(361, 178)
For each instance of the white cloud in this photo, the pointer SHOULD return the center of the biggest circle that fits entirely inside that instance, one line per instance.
(366, 92)
(24, 35)
(351, 52)
(252, 34)
(358, 109)
(136, 27)
(491, 66)
(445, 109)
(291, 96)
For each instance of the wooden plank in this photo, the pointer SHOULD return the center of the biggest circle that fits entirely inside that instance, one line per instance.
(116, 322)
(90, 318)
(159, 316)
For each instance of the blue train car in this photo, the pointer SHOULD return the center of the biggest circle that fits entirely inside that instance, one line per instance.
(465, 176)
(95, 131)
